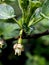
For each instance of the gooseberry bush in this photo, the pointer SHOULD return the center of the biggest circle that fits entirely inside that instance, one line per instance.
(23, 27)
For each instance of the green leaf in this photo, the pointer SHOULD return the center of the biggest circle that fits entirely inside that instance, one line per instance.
(9, 30)
(42, 26)
(45, 8)
(6, 11)
(45, 23)
(37, 13)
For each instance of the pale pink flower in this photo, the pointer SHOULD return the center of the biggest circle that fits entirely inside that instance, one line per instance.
(1, 43)
(18, 48)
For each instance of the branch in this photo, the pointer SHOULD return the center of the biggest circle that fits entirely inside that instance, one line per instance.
(32, 36)
(35, 36)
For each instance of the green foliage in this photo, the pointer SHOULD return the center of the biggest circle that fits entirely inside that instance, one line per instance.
(6, 11)
(9, 31)
(29, 16)
(45, 8)
(24, 4)
(34, 19)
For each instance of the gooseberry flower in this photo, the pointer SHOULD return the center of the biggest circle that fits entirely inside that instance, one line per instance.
(1, 43)
(18, 48)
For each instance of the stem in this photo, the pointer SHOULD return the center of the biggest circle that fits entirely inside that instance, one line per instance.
(38, 21)
(28, 18)
(24, 15)
(16, 21)
(43, 15)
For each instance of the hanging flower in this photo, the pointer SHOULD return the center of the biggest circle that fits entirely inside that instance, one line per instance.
(18, 48)
(1, 43)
